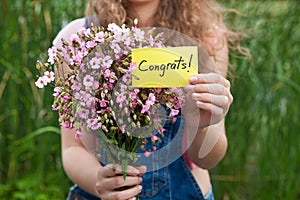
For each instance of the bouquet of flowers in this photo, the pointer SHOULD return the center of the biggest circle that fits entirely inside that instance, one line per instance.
(95, 94)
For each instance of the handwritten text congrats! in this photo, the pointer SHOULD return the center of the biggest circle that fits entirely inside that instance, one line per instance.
(164, 67)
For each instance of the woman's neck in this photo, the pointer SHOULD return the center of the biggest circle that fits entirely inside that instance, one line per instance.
(145, 11)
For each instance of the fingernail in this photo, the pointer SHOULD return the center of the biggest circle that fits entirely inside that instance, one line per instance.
(140, 187)
(195, 96)
(189, 88)
(200, 104)
(193, 78)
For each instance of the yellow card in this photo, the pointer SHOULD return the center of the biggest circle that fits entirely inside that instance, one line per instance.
(164, 67)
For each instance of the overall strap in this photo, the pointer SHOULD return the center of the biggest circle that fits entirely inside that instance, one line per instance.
(87, 25)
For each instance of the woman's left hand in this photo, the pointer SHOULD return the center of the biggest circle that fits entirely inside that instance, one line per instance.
(208, 96)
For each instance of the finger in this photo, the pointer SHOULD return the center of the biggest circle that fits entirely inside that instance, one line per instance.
(217, 89)
(118, 181)
(142, 169)
(125, 194)
(111, 170)
(213, 109)
(218, 100)
(208, 78)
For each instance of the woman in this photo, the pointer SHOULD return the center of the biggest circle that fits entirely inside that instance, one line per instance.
(208, 95)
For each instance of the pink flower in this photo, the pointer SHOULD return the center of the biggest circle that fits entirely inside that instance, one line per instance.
(88, 81)
(95, 85)
(78, 134)
(56, 91)
(96, 126)
(52, 54)
(88, 99)
(138, 34)
(120, 99)
(174, 119)
(106, 62)
(76, 59)
(90, 44)
(114, 28)
(91, 121)
(154, 138)
(67, 124)
(86, 96)
(55, 108)
(99, 37)
(103, 103)
(173, 112)
(85, 32)
(147, 153)
(49, 75)
(161, 130)
(84, 113)
(41, 82)
(132, 66)
(123, 87)
(83, 50)
(76, 86)
(67, 97)
(151, 99)
(75, 39)
(158, 90)
(93, 124)
(145, 108)
(108, 73)
(78, 95)
(122, 128)
(95, 63)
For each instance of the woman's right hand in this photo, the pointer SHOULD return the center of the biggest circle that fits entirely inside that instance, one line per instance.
(109, 179)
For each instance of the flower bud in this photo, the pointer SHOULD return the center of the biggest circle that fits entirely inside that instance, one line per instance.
(138, 124)
(133, 125)
(39, 65)
(148, 118)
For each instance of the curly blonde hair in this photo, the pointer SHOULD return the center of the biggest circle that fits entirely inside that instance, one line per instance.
(199, 19)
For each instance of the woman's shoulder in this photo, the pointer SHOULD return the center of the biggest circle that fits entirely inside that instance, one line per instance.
(71, 28)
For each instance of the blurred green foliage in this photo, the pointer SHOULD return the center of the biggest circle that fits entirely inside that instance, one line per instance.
(30, 164)
(262, 126)
(262, 161)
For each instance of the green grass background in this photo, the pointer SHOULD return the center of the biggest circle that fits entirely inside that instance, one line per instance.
(262, 161)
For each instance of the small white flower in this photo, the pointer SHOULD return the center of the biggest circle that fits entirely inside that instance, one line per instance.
(41, 82)
(95, 63)
(49, 76)
(52, 54)
(88, 81)
(99, 37)
(74, 38)
(139, 34)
